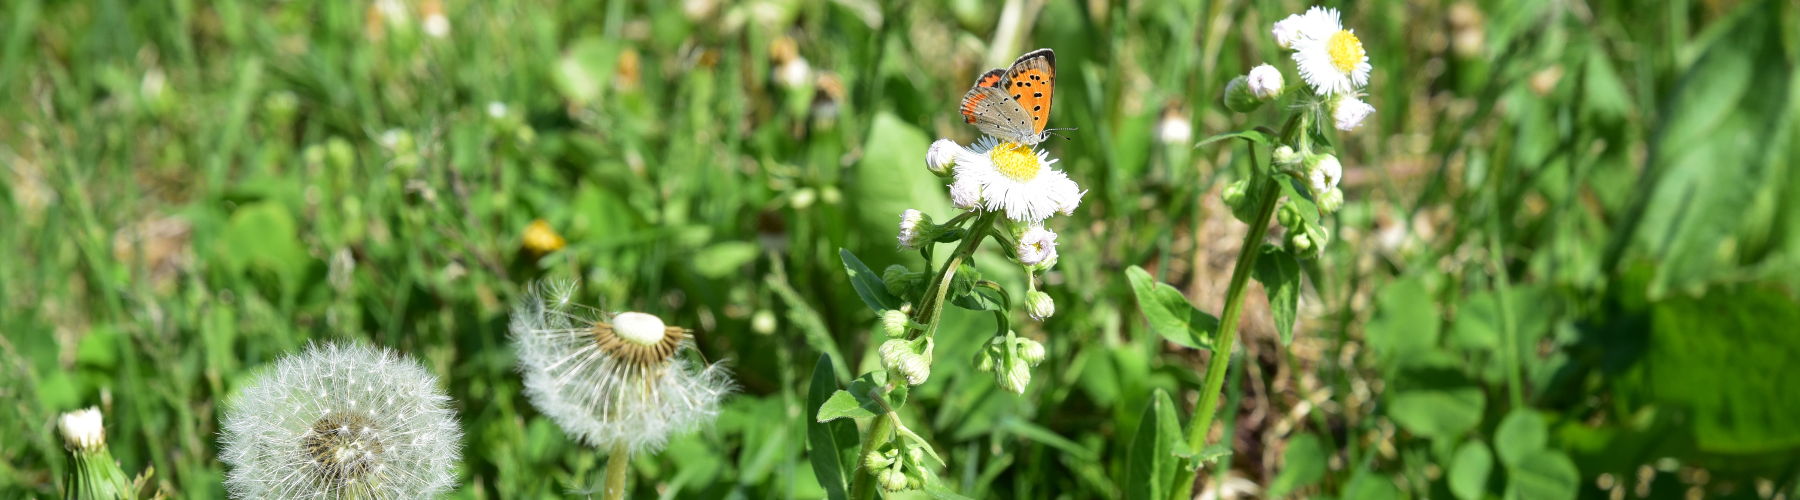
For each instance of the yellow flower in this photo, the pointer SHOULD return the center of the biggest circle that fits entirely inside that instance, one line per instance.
(541, 239)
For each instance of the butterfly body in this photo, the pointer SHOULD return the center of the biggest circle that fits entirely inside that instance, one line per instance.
(1013, 104)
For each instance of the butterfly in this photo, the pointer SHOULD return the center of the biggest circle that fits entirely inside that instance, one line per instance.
(1013, 104)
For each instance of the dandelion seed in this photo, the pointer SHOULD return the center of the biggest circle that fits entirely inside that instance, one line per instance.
(296, 430)
(1013, 178)
(611, 380)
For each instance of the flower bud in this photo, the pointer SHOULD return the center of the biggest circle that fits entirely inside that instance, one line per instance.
(82, 429)
(1015, 377)
(941, 158)
(1285, 158)
(895, 323)
(92, 473)
(1036, 246)
(1265, 82)
(1288, 215)
(893, 480)
(877, 460)
(1323, 172)
(1234, 192)
(1039, 305)
(1031, 351)
(915, 229)
(915, 454)
(1238, 96)
(1332, 200)
(1348, 112)
(984, 360)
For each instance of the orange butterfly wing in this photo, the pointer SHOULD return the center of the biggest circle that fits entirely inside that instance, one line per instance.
(973, 100)
(1032, 81)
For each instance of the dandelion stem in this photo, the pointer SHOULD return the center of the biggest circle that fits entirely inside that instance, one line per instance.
(1266, 191)
(616, 465)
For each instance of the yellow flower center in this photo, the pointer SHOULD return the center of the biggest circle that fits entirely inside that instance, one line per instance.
(1346, 51)
(1016, 161)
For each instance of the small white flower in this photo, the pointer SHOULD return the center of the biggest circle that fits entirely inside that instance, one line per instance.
(965, 194)
(1175, 129)
(1325, 173)
(1036, 246)
(1016, 179)
(794, 73)
(1314, 23)
(436, 25)
(496, 109)
(340, 422)
(912, 222)
(1265, 82)
(1331, 59)
(616, 382)
(82, 429)
(1349, 112)
(941, 157)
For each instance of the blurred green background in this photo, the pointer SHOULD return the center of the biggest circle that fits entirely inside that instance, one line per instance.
(1567, 267)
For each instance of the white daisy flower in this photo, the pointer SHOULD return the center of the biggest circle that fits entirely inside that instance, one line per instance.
(1349, 112)
(1014, 178)
(912, 222)
(1316, 22)
(341, 422)
(1331, 59)
(1265, 82)
(1036, 246)
(612, 380)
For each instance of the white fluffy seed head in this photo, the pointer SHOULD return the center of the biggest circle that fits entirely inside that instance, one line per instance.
(341, 422)
(605, 395)
(82, 429)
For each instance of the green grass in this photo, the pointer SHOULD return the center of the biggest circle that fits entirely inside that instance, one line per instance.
(1595, 197)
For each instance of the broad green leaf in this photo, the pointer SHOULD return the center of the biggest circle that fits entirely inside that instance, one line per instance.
(1542, 475)
(585, 68)
(1522, 433)
(721, 259)
(1405, 324)
(1169, 312)
(1151, 466)
(1698, 216)
(1469, 470)
(262, 237)
(1301, 466)
(891, 177)
(1720, 359)
(1438, 402)
(980, 299)
(1370, 485)
(865, 398)
(827, 441)
(1279, 273)
(867, 283)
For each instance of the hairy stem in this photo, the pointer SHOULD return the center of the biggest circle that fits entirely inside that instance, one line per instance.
(616, 465)
(931, 309)
(881, 428)
(1266, 191)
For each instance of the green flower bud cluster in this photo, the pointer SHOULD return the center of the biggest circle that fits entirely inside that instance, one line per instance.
(896, 470)
(1010, 357)
(909, 358)
(1305, 238)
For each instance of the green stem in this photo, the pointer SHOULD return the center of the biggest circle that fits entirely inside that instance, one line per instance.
(1266, 191)
(616, 465)
(928, 312)
(881, 428)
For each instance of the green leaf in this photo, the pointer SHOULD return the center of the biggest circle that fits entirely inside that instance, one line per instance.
(1708, 195)
(1370, 485)
(828, 441)
(1257, 135)
(1169, 312)
(1542, 475)
(1025, 429)
(1521, 434)
(1303, 465)
(867, 283)
(1719, 358)
(585, 68)
(980, 299)
(891, 177)
(721, 259)
(1279, 273)
(1469, 470)
(1438, 402)
(1151, 466)
(865, 398)
(1405, 325)
(262, 237)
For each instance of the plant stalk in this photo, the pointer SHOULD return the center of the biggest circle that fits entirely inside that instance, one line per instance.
(862, 487)
(1267, 192)
(616, 465)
